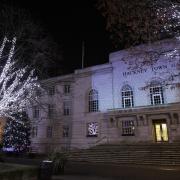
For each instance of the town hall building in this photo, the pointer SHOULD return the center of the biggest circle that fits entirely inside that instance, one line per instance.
(133, 98)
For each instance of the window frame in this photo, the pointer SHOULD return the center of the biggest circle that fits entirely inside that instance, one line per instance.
(67, 108)
(93, 101)
(65, 131)
(34, 132)
(51, 90)
(127, 94)
(67, 89)
(128, 128)
(49, 132)
(36, 112)
(51, 110)
(156, 97)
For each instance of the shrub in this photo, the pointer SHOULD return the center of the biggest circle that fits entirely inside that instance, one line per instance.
(59, 161)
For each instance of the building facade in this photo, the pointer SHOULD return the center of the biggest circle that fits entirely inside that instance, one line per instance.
(133, 98)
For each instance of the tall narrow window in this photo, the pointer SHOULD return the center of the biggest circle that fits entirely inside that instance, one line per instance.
(34, 131)
(49, 132)
(35, 112)
(65, 131)
(127, 97)
(51, 110)
(67, 89)
(67, 108)
(156, 93)
(93, 101)
(51, 90)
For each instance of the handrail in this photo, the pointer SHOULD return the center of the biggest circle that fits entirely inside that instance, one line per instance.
(99, 140)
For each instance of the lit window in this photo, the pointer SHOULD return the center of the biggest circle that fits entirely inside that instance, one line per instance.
(65, 131)
(51, 110)
(49, 131)
(67, 89)
(93, 101)
(34, 131)
(156, 93)
(127, 97)
(128, 128)
(35, 112)
(67, 108)
(92, 129)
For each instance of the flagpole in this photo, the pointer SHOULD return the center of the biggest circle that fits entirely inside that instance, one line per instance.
(82, 60)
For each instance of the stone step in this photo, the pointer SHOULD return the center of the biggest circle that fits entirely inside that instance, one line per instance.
(164, 154)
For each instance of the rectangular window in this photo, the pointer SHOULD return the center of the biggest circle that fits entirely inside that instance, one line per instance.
(67, 108)
(51, 110)
(92, 129)
(65, 131)
(67, 89)
(128, 128)
(35, 112)
(51, 90)
(156, 94)
(49, 132)
(34, 131)
(38, 93)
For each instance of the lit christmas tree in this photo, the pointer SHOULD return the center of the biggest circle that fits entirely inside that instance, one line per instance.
(16, 135)
(17, 85)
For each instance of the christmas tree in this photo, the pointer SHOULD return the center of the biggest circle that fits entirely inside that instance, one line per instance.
(16, 135)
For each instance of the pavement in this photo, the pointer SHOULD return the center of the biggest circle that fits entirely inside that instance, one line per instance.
(86, 171)
(95, 171)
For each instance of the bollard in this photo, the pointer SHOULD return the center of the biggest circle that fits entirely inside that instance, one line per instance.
(46, 170)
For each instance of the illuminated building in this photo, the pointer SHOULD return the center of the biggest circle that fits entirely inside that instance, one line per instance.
(133, 98)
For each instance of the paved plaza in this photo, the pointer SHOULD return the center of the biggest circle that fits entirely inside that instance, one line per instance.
(114, 172)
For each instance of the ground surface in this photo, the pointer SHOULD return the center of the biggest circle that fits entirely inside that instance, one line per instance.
(81, 177)
(116, 172)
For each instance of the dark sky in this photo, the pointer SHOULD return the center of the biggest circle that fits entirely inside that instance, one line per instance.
(70, 23)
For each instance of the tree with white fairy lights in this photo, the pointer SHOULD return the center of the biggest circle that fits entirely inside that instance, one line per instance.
(16, 135)
(17, 89)
(17, 85)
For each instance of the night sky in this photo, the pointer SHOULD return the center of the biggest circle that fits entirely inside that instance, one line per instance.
(70, 23)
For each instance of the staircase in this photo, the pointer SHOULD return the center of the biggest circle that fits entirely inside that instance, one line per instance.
(142, 154)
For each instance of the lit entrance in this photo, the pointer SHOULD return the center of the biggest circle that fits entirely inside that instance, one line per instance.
(161, 132)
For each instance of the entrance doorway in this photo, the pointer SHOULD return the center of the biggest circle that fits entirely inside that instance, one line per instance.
(160, 131)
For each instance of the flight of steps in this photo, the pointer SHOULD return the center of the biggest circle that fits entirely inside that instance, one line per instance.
(149, 154)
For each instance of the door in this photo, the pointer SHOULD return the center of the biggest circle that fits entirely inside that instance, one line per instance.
(161, 132)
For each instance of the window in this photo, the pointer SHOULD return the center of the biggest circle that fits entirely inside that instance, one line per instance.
(51, 110)
(127, 97)
(128, 128)
(92, 129)
(65, 131)
(51, 90)
(49, 132)
(67, 108)
(93, 101)
(34, 131)
(67, 89)
(156, 93)
(35, 112)
(38, 93)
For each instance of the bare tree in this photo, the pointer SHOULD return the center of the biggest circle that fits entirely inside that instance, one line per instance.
(17, 85)
(132, 22)
(34, 47)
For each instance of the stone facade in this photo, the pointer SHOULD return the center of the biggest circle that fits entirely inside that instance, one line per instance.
(125, 100)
